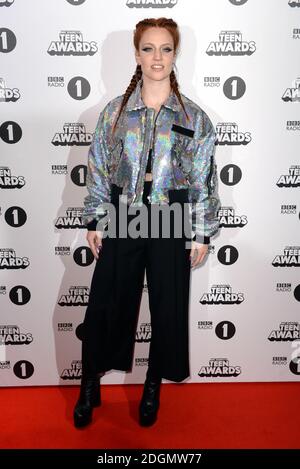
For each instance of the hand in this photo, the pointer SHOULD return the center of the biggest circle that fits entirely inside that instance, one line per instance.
(94, 238)
(198, 251)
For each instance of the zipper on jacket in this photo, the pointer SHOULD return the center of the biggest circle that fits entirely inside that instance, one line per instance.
(210, 175)
(151, 145)
(154, 128)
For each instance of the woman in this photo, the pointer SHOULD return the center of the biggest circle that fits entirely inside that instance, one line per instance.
(152, 147)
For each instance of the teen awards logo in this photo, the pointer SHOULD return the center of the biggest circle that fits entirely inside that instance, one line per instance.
(72, 43)
(8, 94)
(231, 43)
(221, 295)
(219, 368)
(8, 181)
(292, 94)
(76, 296)
(11, 335)
(229, 219)
(287, 331)
(9, 260)
(72, 373)
(143, 334)
(72, 134)
(292, 179)
(289, 258)
(72, 219)
(228, 134)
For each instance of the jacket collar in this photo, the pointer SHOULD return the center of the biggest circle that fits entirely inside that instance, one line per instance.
(135, 100)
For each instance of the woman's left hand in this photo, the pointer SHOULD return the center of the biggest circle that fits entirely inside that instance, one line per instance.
(197, 253)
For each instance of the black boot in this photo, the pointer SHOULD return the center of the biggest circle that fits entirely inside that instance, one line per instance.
(149, 404)
(88, 399)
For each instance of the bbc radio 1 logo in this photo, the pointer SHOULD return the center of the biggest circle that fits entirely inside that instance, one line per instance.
(234, 87)
(10, 261)
(82, 255)
(57, 169)
(292, 94)
(227, 133)
(18, 295)
(288, 209)
(72, 43)
(10, 132)
(287, 331)
(72, 219)
(23, 369)
(78, 87)
(9, 181)
(12, 335)
(224, 330)
(143, 333)
(72, 134)
(64, 327)
(8, 94)
(229, 219)
(289, 258)
(144, 361)
(15, 216)
(8, 40)
(6, 3)
(231, 43)
(293, 125)
(219, 368)
(72, 373)
(151, 3)
(292, 179)
(221, 295)
(76, 296)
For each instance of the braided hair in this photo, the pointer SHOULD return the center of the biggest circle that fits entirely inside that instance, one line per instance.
(141, 26)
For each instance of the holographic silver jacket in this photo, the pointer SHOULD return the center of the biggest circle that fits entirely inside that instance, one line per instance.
(183, 157)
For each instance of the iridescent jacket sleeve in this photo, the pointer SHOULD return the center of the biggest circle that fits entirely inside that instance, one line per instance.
(98, 178)
(203, 182)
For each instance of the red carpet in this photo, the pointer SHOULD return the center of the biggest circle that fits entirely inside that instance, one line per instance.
(218, 415)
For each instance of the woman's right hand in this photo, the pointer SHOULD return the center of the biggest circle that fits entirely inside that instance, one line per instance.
(94, 238)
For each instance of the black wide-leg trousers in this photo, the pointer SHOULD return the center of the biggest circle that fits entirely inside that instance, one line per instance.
(111, 318)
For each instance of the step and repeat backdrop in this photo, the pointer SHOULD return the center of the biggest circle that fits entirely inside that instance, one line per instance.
(61, 61)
